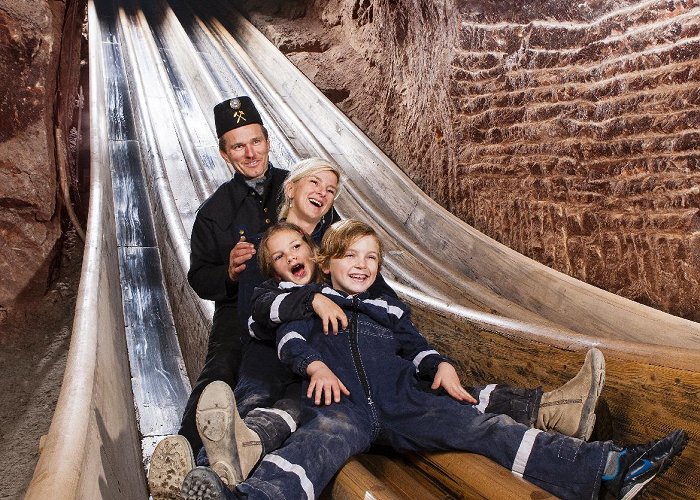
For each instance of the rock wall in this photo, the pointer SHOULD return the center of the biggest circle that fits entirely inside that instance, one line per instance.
(35, 98)
(567, 131)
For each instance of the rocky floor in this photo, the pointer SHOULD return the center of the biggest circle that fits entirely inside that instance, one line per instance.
(33, 349)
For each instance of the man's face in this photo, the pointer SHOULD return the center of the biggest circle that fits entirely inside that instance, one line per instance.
(357, 269)
(247, 150)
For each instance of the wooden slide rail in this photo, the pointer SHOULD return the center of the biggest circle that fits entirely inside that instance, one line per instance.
(499, 315)
(92, 448)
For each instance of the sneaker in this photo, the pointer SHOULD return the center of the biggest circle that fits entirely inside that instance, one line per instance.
(170, 462)
(232, 447)
(570, 409)
(642, 463)
(202, 483)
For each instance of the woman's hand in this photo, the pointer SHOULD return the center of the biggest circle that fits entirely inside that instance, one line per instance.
(324, 384)
(331, 314)
(447, 378)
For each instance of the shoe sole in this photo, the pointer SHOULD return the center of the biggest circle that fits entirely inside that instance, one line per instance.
(597, 361)
(225, 436)
(201, 484)
(171, 461)
(679, 444)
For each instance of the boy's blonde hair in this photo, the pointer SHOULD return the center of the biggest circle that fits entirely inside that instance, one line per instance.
(340, 235)
(302, 169)
(265, 258)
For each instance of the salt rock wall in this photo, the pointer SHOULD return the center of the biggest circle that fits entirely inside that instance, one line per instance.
(35, 98)
(568, 131)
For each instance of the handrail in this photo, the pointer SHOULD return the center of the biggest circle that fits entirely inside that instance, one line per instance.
(92, 448)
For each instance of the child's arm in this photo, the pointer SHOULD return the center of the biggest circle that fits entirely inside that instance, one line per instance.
(447, 378)
(292, 347)
(331, 314)
(303, 359)
(273, 305)
(324, 383)
(428, 362)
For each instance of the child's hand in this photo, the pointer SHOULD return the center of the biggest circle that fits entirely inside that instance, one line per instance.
(324, 383)
(330, 313)
(447, 378)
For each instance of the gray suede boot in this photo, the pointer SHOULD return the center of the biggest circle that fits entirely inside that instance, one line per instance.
(232, 447)
(570, 409)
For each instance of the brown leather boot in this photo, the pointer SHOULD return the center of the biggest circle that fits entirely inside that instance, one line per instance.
(233, 448)
(171, 461)
(570, 409)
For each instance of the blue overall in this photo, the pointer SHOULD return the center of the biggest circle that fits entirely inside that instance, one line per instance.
(380, 358)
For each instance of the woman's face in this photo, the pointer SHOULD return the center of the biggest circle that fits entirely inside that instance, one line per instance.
(312, 196)
(291, 257)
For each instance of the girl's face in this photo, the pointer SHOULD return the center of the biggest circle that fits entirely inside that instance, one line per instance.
(312, 196)
(357, 269)
(291, 257)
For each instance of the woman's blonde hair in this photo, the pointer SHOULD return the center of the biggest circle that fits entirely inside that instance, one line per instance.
(340, 236)
(265, 259)
(302, 169)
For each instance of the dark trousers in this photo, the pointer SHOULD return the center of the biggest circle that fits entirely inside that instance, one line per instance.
(263, 379)
(221, 363)
(417, 420)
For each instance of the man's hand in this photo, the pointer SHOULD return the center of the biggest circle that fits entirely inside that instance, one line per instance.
(331, 314)
(324, 383)
(240, 254)
(447, 378)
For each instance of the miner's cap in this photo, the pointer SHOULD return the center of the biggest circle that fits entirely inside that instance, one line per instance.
(233, 113)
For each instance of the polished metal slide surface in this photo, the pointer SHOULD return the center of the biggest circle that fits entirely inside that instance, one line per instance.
(157, 69)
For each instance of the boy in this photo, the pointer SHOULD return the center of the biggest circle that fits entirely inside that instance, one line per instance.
(366, 378)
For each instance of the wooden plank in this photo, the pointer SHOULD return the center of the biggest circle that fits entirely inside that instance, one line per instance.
(355, 481)
(406, 479)
(475, 476)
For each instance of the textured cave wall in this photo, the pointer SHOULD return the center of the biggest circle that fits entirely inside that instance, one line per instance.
(35, 97)
(567, 131)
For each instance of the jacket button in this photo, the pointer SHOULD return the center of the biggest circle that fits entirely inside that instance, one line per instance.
(267, 221)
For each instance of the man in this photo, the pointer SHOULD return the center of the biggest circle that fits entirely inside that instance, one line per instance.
(244, 206)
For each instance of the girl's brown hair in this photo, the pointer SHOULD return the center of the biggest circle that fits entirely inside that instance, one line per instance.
(340, 236)
(264, 257)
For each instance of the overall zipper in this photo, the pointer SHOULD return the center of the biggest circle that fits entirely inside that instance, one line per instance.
(355, 350)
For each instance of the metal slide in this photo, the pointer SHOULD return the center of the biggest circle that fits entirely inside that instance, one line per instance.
(157, 68)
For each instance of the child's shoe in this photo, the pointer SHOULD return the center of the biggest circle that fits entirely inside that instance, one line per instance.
(202, 483)
(570, 409)
(233, 448)
(171, 461)
(640, 464)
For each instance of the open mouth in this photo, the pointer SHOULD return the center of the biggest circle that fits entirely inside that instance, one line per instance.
(298, 270)
(358, 277)
(315, 203)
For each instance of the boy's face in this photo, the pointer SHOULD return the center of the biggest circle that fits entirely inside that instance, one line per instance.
(291, 257)
(357, 269)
